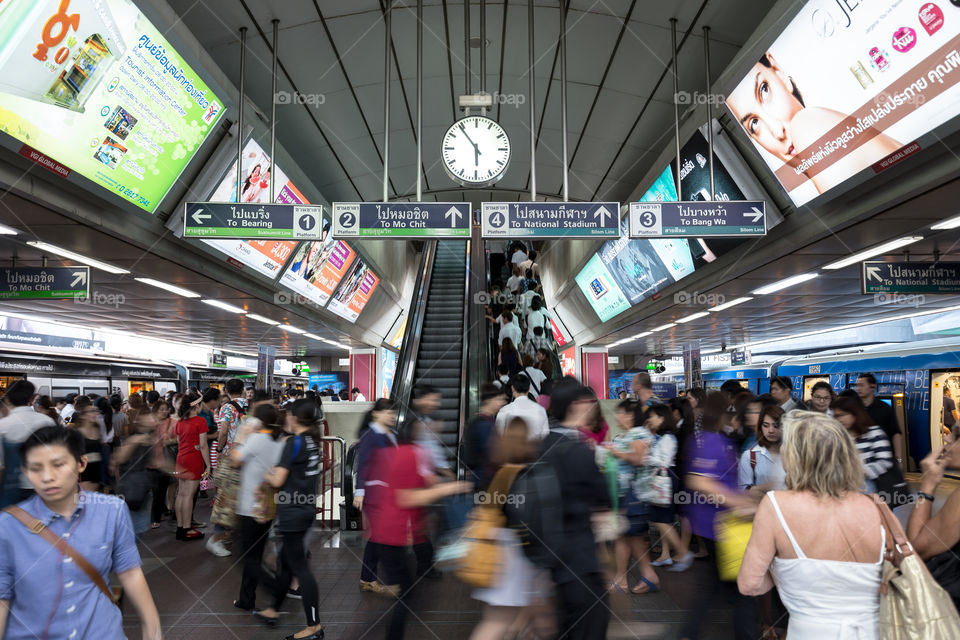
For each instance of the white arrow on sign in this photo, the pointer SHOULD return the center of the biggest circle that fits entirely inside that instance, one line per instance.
(198, 216)
(874, 272)
(453, 214)
(756, 215)
(603, 214)
(79, 277)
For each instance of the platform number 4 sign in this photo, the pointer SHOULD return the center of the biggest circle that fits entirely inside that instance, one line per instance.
(645, 219)
(497, 220)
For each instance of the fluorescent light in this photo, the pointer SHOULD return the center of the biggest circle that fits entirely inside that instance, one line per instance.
(291, 328)
(949, 223)
(312, 336)
(732, 303)
(336, 344)
(866, 254)
(262, 319)
(224, 306)
(7, 231)
(708, 352)
(786, 282)
(693, 316)
(76, 257)
(665, 326)
(641, 335)
(180, 291)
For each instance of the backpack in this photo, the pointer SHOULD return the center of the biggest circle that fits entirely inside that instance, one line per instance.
(535, 505)
(236, 405)
(483, 560)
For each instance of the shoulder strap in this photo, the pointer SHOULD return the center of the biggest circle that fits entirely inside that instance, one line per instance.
(535, 386)
(501, 483)
(297, 441)
(37, 527)
(895, 540)
(783, 523)
(236, 405)
(753, 465)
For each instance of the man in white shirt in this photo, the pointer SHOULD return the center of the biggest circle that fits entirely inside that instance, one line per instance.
(535, 376)
(523, 407)
(68, 409)
(510, 329)
(15, 428)
(519, 256)
(357, 396)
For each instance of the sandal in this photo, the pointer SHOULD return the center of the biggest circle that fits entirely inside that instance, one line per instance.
(192, 534)
(154, 525)
(614, 587)
(651, 587)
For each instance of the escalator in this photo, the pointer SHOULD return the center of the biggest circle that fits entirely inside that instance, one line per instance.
(435, 354)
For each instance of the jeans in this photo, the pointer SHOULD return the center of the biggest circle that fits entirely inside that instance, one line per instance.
(293, 562)
(744, 611)
(253, 540)
(583, 608)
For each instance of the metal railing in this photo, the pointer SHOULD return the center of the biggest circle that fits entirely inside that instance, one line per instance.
(331, 481)
(464, 388)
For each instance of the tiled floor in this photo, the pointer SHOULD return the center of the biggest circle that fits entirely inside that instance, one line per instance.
(194, 592)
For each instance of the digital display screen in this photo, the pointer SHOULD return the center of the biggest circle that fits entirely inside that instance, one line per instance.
(318, 267)
(335, 381)
(601, 290)
(95, 86)
(387, 371)
(848, 84)
(355, 292)
(263, 256)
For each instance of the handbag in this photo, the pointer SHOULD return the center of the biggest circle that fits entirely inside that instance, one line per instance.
(733, 534)
(36, 526)
(892, 488)
(264, 507)
(610, 525)
(482, 557)
(659, 489)
(912, 605)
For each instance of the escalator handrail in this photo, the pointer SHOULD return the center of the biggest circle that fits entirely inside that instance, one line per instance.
(403, 386)
(464, 366)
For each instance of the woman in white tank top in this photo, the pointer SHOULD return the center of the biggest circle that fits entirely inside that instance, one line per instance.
(820, 542)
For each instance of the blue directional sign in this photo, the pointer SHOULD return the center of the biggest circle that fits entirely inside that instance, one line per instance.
(401, 219)
(252, 221)
(551, 219)
(48, 283)
(697, 219)
(910, 277)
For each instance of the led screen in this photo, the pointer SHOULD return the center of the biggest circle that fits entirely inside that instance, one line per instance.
(846, 85)
(95, 86)
(335, 381)
(355, 292)
(602, 291)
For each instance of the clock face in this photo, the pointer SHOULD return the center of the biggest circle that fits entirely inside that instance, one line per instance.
(476, 151)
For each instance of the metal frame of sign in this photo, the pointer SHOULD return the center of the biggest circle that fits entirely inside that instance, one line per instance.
(489, 209)
(424, 233)
(192, 231)
(867, 289)
(80, 274)
(661, 234)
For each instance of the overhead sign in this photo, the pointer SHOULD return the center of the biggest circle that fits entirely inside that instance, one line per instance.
(218, 360)
(697, 219)
(551, 219)
(739, 357)
(401, 219)
(252, 221)
(49, 283)
(910, 277)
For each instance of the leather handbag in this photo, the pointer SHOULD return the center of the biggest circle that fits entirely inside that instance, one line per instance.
(37, 527)
(912, 605)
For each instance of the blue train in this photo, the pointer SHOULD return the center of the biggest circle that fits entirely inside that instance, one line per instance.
(911, 377)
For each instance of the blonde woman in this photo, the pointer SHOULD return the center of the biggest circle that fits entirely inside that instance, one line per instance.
(829, 583)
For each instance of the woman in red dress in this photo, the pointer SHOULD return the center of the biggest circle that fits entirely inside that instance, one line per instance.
(193, 462)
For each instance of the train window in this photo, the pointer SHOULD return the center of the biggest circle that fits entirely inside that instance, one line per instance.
(62, 392)
(944, 405)
(97, 391)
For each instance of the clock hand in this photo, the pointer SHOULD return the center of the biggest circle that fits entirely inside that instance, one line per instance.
(462, 128)
(476, 156)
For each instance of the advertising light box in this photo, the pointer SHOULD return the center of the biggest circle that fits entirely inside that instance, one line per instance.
(355, 292)
(602, 291)
(318, 267)
(848, 84)
(95, 86)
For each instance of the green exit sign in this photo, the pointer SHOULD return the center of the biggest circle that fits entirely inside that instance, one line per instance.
(651, 366)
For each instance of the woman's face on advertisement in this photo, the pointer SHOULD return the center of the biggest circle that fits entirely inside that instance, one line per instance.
(764, 105)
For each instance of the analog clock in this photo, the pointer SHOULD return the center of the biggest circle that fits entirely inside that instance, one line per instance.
(476, 151)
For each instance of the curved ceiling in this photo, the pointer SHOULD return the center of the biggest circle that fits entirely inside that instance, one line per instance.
(620, 90)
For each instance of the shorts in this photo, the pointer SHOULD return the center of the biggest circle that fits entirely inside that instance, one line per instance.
(637, 517)
(664, 514)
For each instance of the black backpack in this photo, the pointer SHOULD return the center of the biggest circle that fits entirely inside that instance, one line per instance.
(535, 505)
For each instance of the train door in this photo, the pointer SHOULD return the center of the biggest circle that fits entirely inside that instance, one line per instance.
(808, 382)
(944, 414)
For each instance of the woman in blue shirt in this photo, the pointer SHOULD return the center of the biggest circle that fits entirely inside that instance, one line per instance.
(44, 593)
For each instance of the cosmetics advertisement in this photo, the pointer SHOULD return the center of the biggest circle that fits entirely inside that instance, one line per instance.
(95, 86)
(846, 85)
(601, 290)
(355, 292)
(266, 257)
(318, 267)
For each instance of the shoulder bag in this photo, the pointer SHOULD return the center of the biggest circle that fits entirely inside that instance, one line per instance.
(37, 527)
(912, 605)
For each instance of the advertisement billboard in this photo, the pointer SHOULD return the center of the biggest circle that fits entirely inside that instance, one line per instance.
(318, 267)
(568, 362)
(335, 381)
(847, 84)
(355, 292)
(601, 290)
(95, 86)
(387, 370)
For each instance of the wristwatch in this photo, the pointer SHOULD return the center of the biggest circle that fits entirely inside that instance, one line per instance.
(926, 496)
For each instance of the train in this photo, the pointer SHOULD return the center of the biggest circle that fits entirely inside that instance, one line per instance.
(58, 373)
(911, 377)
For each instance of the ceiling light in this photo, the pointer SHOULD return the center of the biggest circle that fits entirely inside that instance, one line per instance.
(291, 328)
(732, 303)
(886, 247)
(259, 318)
(641, 335)
(949, 223)
(783, 284)
(665, 326)
(313, 336)
(224, 306)
(7, 231)
(693, 316)
(708, 352)
(76, 257)
(180, 291)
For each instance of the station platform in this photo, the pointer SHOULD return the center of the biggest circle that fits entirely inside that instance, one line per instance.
(194, 592)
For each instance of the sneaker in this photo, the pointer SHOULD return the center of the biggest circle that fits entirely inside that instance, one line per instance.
(216, 547)
(295, 594)
(368, 586)
(683, 563)
(198, 525)
(662, 563)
